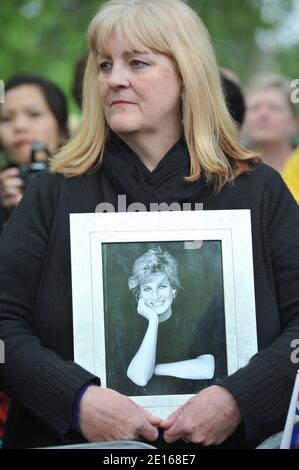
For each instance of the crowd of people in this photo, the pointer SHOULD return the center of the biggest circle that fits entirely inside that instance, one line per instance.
(160, 121)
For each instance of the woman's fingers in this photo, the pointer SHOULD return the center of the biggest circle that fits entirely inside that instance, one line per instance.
(154, 420)
(8, 173)
(148, 431)
(13, 182)
(208, 418)
(108, 415)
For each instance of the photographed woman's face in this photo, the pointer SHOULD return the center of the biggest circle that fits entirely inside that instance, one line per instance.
(157, 293)
(26, 118)
(140, 90)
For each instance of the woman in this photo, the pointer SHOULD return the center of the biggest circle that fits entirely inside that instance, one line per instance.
(155, 128)
(271, 120)
(34, 112)
(154, 282)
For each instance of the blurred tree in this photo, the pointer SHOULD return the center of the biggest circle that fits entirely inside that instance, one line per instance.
(44, 36)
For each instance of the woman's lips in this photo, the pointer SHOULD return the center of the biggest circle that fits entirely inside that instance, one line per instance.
(157, 304)
(22, 142)
(120, 102)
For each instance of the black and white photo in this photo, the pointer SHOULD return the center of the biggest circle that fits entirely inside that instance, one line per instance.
(161, 304)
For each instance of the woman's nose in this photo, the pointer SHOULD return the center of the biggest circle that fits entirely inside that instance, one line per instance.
(20, 122)
(118, 77)
(155, 294)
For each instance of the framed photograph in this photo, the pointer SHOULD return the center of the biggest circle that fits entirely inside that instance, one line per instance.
(163, 302)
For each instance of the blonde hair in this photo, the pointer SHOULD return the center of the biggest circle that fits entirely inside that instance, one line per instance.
(177, 31)
(154, 261)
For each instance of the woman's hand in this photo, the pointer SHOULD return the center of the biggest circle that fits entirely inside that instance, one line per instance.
(146, 311)
(11, 188)
(106, 415)
(209, 418)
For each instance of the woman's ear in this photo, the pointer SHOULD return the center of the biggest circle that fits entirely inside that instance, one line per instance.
(174, 293)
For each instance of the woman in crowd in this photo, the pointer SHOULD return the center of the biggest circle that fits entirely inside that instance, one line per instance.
(34, 112)
(271, 119)
(156, 128)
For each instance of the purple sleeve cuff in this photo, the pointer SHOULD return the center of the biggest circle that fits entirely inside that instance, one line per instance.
(75, 424)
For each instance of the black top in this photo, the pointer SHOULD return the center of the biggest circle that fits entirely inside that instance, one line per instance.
(36, 306)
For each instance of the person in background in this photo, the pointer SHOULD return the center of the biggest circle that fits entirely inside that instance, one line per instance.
(35, 111)
(234, 97)
(271, 119)
(77, 88)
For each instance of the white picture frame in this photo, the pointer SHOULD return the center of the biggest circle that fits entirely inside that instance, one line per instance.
(95, 238)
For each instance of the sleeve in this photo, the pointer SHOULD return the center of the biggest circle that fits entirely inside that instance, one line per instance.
(35, 377)
(263, 388)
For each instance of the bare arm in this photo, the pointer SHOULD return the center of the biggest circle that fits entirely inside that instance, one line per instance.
(199, 368)
(142, 365)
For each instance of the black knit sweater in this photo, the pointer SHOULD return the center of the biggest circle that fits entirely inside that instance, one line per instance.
(36, 306)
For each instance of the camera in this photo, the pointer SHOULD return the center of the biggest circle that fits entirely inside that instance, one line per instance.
(39, 161)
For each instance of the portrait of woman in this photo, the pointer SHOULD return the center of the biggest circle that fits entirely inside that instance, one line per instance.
(152, 291)
(154, 282)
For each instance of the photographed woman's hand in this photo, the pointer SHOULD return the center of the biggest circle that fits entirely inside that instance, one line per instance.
(106, 415)
(146, 311)
(209, 418)
(11, 188)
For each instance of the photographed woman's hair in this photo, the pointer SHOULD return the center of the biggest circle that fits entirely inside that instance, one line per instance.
(54, 97)
(174, 29)
(152, 262)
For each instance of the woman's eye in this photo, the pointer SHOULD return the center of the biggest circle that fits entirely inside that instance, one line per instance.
(34, 114)
(146, 289)
(138, 64)
(5, 118)
(105, 66)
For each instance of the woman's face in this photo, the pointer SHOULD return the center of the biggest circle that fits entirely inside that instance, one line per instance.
(25, 118)
(140, 91)
(269, 118)
(157, 293)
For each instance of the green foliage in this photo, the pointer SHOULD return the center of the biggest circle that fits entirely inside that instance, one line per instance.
(44, 36)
